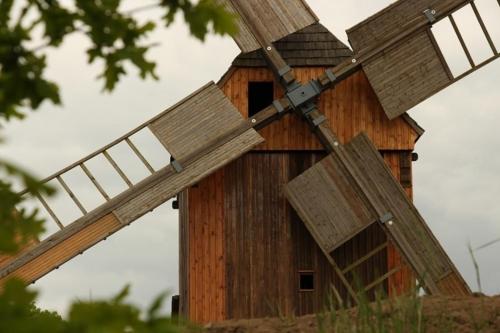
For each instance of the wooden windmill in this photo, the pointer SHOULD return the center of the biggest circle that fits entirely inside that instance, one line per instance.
(281, 204)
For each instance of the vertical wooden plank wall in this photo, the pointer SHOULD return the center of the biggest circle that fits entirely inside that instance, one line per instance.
(247, 245)
(204, 232)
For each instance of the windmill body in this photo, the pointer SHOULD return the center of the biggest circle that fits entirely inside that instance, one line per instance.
(244, 251)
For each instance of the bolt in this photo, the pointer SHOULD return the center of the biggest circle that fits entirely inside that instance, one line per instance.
(254, 121)
(390, 222)
(269, 48)
(354, 61)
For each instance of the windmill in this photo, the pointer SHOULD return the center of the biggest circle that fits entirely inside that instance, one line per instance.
(344, 193)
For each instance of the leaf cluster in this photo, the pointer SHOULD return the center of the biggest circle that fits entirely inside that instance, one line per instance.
(19, 314)
(116, 37)
(18, 226)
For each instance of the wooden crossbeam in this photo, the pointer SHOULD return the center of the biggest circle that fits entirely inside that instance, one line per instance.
(139, 155)
(71, 194)
(382, 278)
(117, 168)
(94, 181)
(365, 257)
(50, 211)
(483, 27)
(462, 41)
(472, 70)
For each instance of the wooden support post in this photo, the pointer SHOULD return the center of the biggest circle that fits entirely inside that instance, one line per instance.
(71, 195)
(342, 277)
(483, 27)
(382, 278)
(365, 258)
(117, 168)
(50, 211)
(440, 54)
(139, 155)
(94, 181)
(462, 41)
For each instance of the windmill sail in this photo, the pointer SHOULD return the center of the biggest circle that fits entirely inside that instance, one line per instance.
(352, 189)
(399, 53)
(268, 20)
(203, 132)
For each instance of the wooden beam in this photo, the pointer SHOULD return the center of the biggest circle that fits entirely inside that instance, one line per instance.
(382, 278)
(71, 195)
(472, 70)
(365, 257)
(117, 168)
(50, 211)
(139, 155)
(483, 27)
(94, 181)
(440, 54)
(462, 41)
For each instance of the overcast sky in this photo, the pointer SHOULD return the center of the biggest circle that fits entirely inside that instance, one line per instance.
(456, 180)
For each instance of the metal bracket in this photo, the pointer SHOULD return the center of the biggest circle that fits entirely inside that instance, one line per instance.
(330, 75)
(387, 218)
(284, 70)
(177, 166)
(304, 93)
(277, 105)
(319, 120)
(430, 14)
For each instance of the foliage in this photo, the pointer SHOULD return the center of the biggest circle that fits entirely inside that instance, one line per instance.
(397, 315)
(18, 314)
(116, 38)
(18, 226)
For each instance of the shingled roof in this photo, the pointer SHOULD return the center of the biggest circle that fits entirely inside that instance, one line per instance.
(314, 45)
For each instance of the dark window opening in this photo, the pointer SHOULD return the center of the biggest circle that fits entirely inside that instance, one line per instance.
(260, 96)
(306, 281)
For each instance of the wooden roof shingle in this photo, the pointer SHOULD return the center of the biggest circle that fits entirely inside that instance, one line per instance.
(314, 45)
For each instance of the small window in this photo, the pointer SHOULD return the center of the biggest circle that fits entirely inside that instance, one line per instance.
(306, 281)
(260, 96)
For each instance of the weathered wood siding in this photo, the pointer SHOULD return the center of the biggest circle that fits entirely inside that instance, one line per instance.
(195, 122)
(272, 20)
(395, 19)
(408, 73)
(265, 244)
(351, 107)
(329, 203)
(409, 230)
(403, 281)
